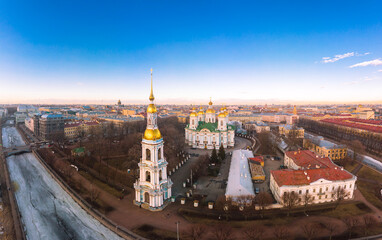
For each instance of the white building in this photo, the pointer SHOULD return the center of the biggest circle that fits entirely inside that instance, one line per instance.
(309, 173)
(258, 126)
(29, 123)
(153, 187)
(239, 178)
(3, 112)
(208, 131)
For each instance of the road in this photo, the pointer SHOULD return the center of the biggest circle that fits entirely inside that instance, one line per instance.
(47, 211)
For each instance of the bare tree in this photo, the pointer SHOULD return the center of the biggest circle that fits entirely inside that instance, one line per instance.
(357, 147)
(281, 233)
(309, 230)
(369, 221)
(93, 193)
(331, 227)
(290, 200)
(196, 232)
(340, 194)
(222, 232)
(350, 222)
(254, 232)
(263, 199)
(306, 200)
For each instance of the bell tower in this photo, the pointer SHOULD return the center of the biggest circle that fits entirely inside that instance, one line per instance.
(153, 187)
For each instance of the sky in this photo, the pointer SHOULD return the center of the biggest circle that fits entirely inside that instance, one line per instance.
(236, 52)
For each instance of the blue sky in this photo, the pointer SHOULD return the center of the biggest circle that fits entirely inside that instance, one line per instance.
(233, 51)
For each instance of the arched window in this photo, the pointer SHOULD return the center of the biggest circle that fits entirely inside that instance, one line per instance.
(193, 122)
(148, 176)
(148, 154)
(160, 175)
(159, 153)
(221, 122)
(147, 197)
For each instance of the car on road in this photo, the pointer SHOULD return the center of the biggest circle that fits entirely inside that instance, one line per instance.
(257, 190)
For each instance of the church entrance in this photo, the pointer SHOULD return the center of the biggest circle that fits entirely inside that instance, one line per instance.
(147, 198)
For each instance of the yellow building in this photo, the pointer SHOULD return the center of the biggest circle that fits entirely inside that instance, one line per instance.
(325, 148)
(288, 129)
(75, 130)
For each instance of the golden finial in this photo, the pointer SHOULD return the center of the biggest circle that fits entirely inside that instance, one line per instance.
(151, 93)
(210, 103)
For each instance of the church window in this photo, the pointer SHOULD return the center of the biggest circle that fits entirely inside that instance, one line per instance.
(193, 122)
(159, 153)
(221, 122)
(148, 154)
(160, 175)
(148, 178)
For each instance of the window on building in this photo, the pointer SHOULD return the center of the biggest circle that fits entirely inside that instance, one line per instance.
(159, 153)
(148, 178)
(307, 190)
(299, 192)
(314, 190)
(193, 122)
(160, 175)
(148, 154)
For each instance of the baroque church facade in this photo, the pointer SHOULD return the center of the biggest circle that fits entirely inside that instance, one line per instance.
(208, 130)
(153, 187)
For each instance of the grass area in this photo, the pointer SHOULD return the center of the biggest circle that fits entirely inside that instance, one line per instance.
(367, 172)
(369, 190)
(101, 185)
(347, 209)
(350, 167)
(150, 232)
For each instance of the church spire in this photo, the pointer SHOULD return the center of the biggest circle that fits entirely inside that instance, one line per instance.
(151, 93)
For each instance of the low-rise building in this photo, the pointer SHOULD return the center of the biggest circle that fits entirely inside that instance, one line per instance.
(256, 165)
(239, 178)
(287, 130)
(325, 148)
(311, 174)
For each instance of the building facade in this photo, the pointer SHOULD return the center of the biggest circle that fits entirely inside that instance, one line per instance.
(153, 187)
(325, 148)
(311, 174)
(50, 127)
(208, 131)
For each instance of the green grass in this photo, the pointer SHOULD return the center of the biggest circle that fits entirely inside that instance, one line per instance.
(367, 172)
(368, 190)
(346, 209)
(101, 185)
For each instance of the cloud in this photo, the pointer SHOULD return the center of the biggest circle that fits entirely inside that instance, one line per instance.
(380, 70)
(337, 57)
(375, 62)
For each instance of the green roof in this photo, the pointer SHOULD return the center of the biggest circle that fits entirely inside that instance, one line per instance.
(79, 150)
(210, 126)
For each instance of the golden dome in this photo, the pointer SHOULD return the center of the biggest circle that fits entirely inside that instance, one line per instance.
(210, 110)
(193, 114)
(210, 103)
(152, 134)
(221, 115)
(151, 108)
(200, 112)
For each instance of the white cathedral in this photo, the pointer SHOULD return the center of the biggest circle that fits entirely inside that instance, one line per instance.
(206, 131)
(153, 187)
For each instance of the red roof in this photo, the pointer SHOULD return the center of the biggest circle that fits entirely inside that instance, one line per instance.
(368, 125)
(257, 159)
(313, 167)
(307, 159)
(291, 177)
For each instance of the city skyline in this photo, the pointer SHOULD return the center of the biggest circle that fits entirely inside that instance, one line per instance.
(246, 53)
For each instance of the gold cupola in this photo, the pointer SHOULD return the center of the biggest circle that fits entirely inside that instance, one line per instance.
(152, 132)
(210, 109)
(200, 111)
(193, 113)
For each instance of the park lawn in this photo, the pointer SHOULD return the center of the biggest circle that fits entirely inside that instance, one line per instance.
(345, 210)
(369, 193)
(349, 167)
(102, 185)
(367, 172)
(150, 232)
(239, 224)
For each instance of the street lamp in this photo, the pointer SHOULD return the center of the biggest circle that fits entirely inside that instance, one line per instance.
(177, 229)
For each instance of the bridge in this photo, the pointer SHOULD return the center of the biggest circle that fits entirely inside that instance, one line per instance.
(16, 150)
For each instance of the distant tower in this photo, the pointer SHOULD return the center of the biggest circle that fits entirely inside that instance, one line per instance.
(294, 110)
(210, 113)
(119, 103)
(153, 187)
